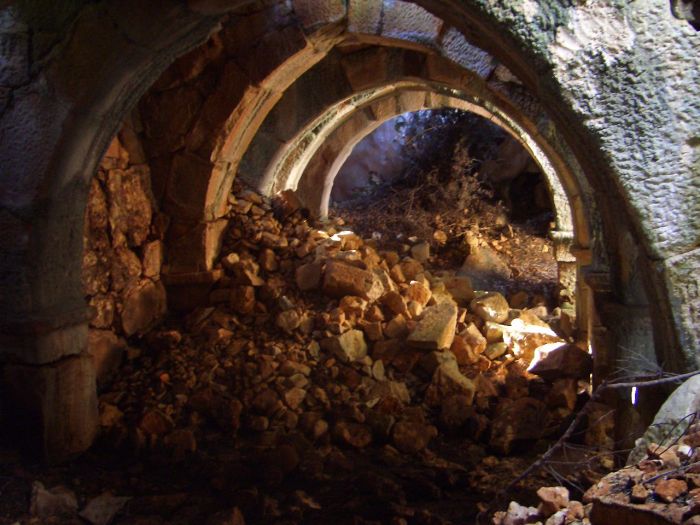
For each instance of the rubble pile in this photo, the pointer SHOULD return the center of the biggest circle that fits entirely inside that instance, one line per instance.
(662, 488)
(318, 346)
(554, 508)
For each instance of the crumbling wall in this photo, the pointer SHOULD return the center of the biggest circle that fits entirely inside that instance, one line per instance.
(123, 255)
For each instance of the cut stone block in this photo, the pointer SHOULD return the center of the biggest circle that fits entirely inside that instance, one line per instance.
(436, 329)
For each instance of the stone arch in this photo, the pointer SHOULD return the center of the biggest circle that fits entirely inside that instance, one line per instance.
(297, 170)
(63, 97)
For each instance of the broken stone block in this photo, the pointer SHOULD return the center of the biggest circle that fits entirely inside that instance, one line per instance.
(518, 515)
(411, 268)
(107, 351)
(493, 332)
(156, 423)
(639, 494)
(58, 502)
(353, 434)
(144, 305)
(516, 420)
(102, 509)
(152, 259)
(552, 500)
(447, 381)
(563, 394)
(491, 307)
(496, 350)
(243, 299)
(430, 362)
(411, 436)
(289, 320)
(126, 268)
(436, 328)
(396, 328)
(418, 292)
(421, 252)
(462, 351)
(268, 260)
(102, 308)
(285, 204)
(472, 336)
(460, 288)
(130, 210)
(341, 279)
(558, 360)
(245, 273)
(485, 263)
(308, 276)
(395, 303)
(669, 489)
(373, 330)
(348, 347)
(455, 411)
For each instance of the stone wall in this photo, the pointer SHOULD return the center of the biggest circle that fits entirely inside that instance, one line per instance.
(123, 254)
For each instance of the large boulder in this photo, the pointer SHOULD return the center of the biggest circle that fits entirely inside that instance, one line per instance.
(671, 421)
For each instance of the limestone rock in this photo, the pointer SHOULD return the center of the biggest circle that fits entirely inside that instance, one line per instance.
(516, 420)
(436, 328)
(353, 434)
(243, 299)
(496, 350)
(144, 305)
(552, 500)
(347, 347)
(418, 292)
(130, 210)
(517, 515)
(448, 380)
(421, 252)
(245, 273)
(289, 320)
(561, 360)
(460, 288)
(341, 279)
(57, 502)
(102, 509)
(107, 351)
(484, 263)
(411, 436)
(669, 489)
(491, 307)
(308, 276)
(152, 259)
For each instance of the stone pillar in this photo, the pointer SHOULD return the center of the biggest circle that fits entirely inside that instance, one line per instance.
(49, 391)
(566, 261)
